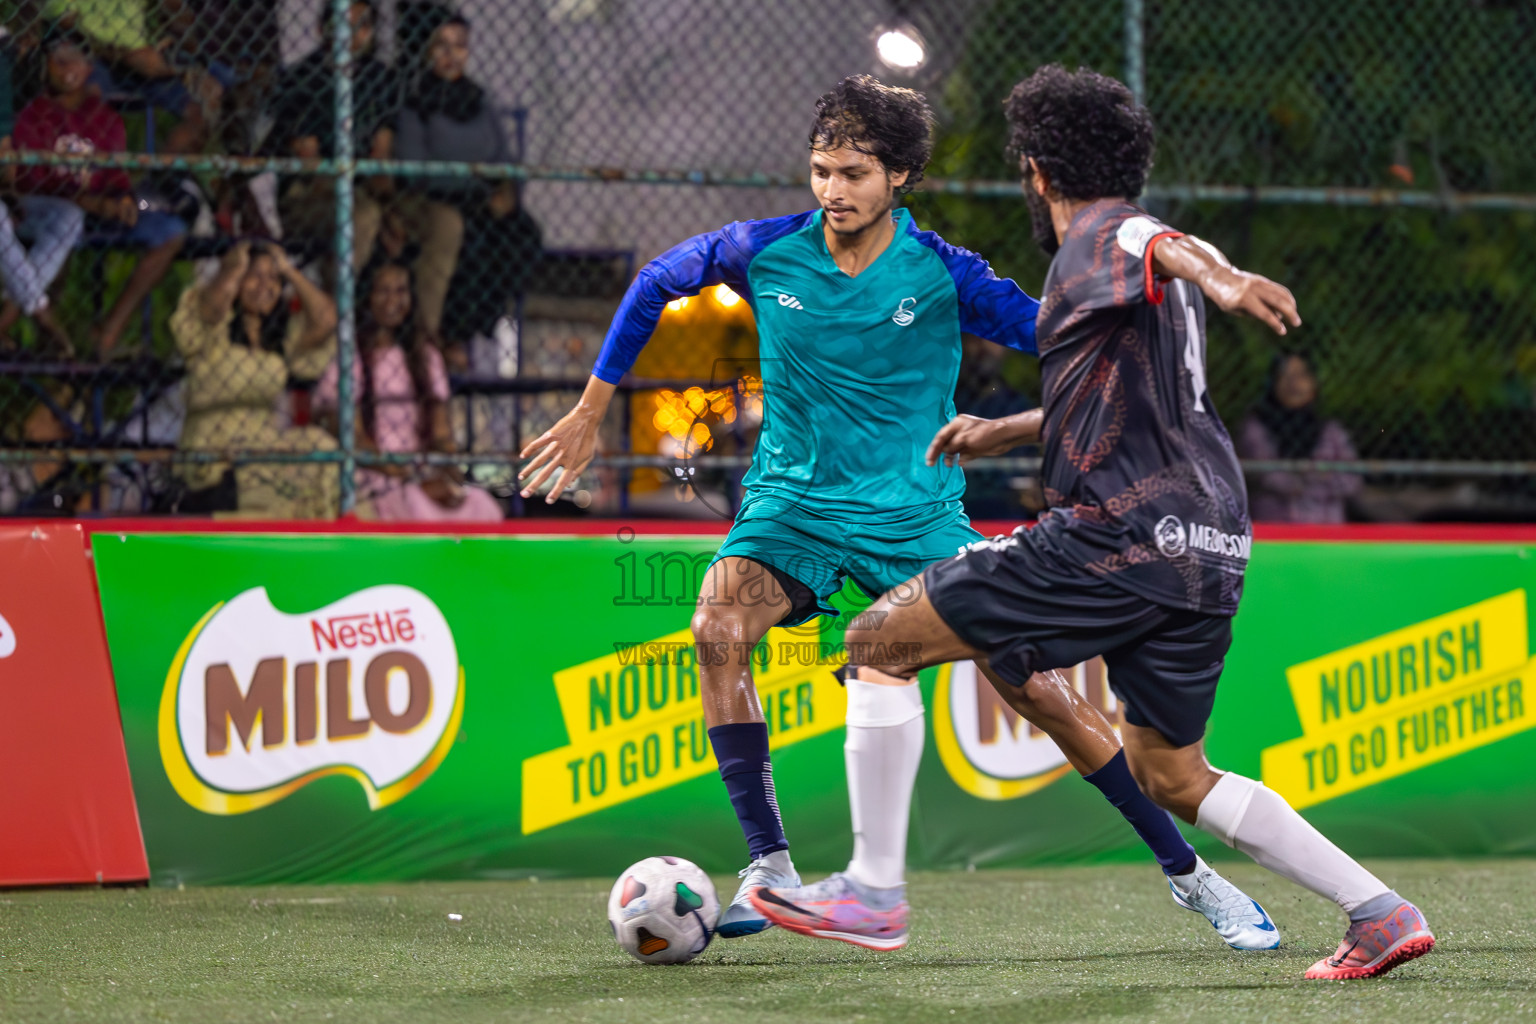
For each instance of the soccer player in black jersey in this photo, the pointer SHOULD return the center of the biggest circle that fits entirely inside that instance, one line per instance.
(1141, 555)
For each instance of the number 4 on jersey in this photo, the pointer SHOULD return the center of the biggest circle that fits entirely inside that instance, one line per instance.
(1194, 348)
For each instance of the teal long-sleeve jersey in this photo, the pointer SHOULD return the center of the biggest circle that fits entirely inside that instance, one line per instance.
(858, 371)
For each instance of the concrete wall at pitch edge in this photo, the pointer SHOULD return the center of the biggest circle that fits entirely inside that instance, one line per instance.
(370, 707)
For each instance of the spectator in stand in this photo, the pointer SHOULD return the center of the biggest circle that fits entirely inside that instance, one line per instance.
(70, 119)
(481, 325)
(1285, 425)
(60, 487)
(304, 116)
(502, 246)
(237, 42)
(237, 334)
(402, 401)
(445, 117)
(54, 226)
(132, 62)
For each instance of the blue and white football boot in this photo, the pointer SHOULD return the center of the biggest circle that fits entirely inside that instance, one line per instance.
(1239, 920)
(741, 918)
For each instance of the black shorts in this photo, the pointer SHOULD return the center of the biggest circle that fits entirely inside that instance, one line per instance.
(1028, 613)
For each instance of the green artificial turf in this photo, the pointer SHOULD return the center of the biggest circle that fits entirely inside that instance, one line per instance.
(1064, 944)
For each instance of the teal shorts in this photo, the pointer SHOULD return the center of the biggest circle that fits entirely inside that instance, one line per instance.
(822, 553)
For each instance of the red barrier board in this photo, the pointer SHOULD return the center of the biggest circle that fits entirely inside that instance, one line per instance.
(67, 813)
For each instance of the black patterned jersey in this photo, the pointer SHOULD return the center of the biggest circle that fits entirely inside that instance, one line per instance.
(1145, 487)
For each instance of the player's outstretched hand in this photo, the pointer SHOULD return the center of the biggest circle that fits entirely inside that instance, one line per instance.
(968, 437)
(1237, 291)
(566, 447)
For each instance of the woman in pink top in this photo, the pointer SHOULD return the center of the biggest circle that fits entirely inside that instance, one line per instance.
(402, 396)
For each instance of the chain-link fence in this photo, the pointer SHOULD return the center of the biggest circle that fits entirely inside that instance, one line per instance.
(282, 258)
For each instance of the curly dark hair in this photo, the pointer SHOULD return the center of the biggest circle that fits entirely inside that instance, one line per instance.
(891, 124)
(1085, 130)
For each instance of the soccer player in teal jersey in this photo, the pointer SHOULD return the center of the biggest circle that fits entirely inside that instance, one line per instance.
(859, 316)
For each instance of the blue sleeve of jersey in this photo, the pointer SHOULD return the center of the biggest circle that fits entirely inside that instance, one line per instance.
(991, 307)
(717, 257)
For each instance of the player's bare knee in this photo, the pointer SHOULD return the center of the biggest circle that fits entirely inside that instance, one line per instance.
(716, 626)
(864, 648)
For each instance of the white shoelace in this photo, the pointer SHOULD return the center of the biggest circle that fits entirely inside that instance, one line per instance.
(758, 871)
(1228, 897)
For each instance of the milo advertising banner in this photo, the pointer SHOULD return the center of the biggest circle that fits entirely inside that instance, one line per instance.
(369, 707)
(259, 703)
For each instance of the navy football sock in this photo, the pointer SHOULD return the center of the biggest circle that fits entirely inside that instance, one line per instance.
(742, 751)
(1151, 822)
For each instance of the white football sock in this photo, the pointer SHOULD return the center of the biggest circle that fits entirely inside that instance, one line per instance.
(1256, 820)
(884, 746)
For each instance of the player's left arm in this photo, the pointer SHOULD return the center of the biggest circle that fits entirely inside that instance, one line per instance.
(1233, 290)
(991, 307)
(997, 309)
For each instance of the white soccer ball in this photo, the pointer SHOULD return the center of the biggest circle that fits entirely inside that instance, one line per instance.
(663, 910)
